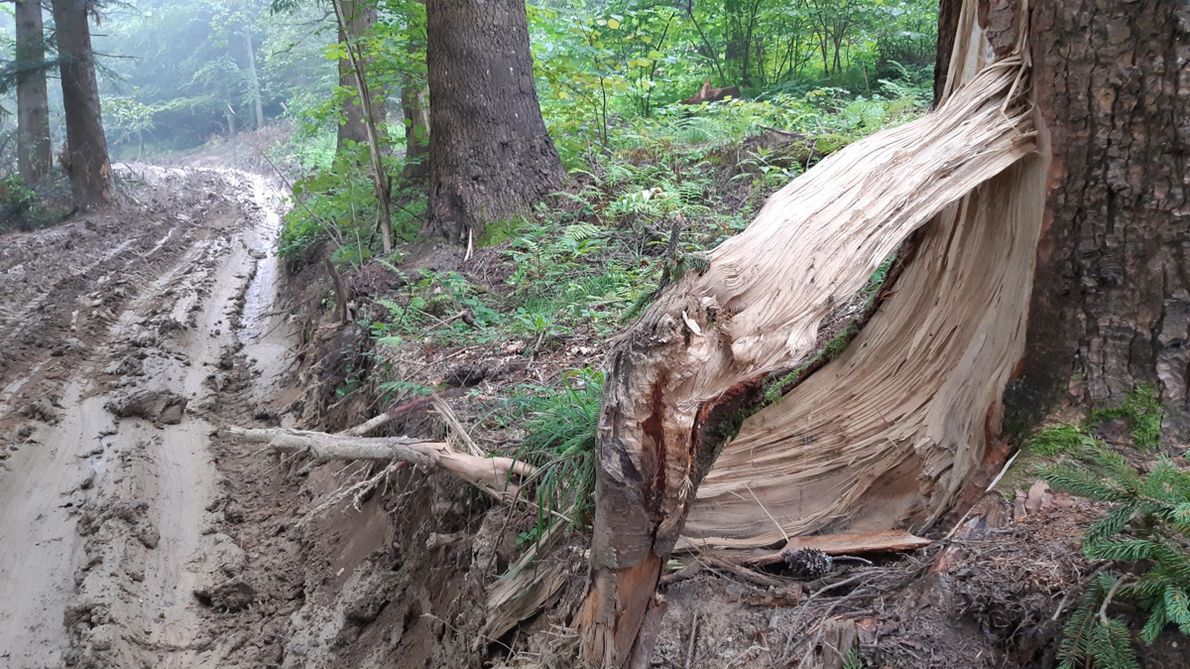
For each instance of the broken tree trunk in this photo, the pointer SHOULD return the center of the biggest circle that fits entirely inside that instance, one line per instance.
(908, 420)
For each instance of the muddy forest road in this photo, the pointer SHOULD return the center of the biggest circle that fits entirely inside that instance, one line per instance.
(126, 338)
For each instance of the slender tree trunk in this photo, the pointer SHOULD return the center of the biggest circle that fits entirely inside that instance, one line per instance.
(736, 50)
(34, 149)
(86, 145)
(358, 17)
(371, 122)
(415, 105)
(253, 79)
(490, 155)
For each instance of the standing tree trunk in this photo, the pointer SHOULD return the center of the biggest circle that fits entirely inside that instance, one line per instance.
(416, 106)
(490, 156)
(1111, 306)
(1049, 268)
(86, 146)
(253, 79)
(358, 17)
(34, 150)
(371, 119)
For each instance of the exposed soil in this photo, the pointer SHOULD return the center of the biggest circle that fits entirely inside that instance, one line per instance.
(126, 338)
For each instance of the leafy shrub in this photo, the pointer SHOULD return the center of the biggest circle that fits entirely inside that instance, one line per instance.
(339, 205)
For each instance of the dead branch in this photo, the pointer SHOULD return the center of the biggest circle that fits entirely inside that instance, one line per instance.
(340, 292)
(376, 422)
(493, 475)
(844, 544)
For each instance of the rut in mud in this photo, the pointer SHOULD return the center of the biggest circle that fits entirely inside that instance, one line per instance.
(125, 340)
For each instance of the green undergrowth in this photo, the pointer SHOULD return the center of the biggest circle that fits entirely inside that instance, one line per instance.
(26, 208)
(337, 205)
(1140, 413)
(1140, 541)
(635, 215)
(560, 423)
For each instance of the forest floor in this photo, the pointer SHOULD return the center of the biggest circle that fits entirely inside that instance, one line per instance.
(133, 536)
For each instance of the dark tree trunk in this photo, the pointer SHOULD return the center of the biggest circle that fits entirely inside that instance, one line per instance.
(86, 145)
(359, 16)
(948, 21)
(733, 50)
(34, 150)
(1111, 305)
(490, 155)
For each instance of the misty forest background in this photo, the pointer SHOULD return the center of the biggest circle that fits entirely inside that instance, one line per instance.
(175, 76)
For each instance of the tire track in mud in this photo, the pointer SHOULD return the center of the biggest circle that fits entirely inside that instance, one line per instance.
(109, 541)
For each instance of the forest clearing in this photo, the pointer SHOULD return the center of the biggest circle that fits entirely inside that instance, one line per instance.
(595, 333)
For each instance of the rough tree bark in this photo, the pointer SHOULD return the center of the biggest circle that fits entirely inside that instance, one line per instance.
(358, 17)
(490, 155)
(1111, 308)
(34, 150)
(86, 146)
(887, 435)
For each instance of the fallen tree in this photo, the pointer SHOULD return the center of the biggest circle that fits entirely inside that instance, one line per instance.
(888, 435)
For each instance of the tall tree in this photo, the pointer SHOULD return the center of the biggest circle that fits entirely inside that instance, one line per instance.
(253, 78)
(490, 155)
(346, 13)
(415, 97)
(357, 17)
(1051, 270)
(1110, 308)
(34, 150)
(86, 146)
